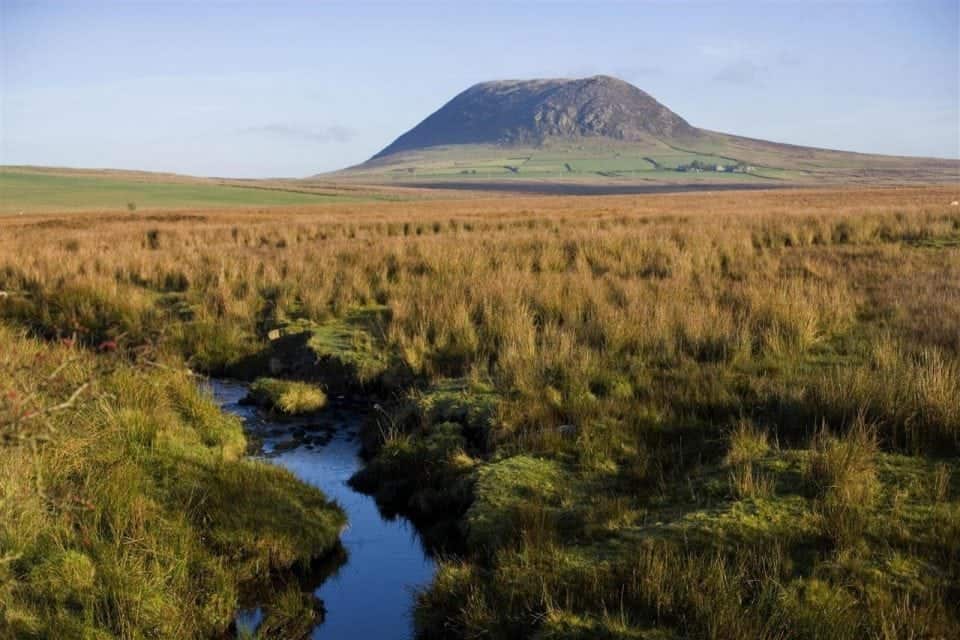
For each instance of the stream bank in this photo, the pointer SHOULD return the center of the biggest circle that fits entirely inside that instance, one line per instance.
(371, 594)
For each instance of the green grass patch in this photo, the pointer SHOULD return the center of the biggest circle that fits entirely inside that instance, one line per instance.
(507, 492)
(337, 353)
(353, 342)
(427, 447)
(36, 192)
(126, 506)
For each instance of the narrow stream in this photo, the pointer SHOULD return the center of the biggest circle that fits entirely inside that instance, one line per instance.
(371, 596)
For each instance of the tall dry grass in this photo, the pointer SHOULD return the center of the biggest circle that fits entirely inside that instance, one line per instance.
(622, 337)
(582, 296)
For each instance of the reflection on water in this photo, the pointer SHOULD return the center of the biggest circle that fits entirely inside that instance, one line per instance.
(371, 595)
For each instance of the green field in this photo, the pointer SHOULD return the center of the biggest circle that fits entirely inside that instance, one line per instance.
(597, 160)
(590, 161)
(32, 191)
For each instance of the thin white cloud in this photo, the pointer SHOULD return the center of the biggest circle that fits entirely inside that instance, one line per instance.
(730, 50)
(789, 58)
(322, 135)
(741, 72)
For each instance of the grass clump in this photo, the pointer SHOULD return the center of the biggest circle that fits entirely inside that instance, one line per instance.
(911, 394)
(842, 472)
(749, 482)
(747, 443)
(212, 348)
(291, 613)
(428, 474)
(287, 396)
(427, 446)
(340, 353)
(844, 467)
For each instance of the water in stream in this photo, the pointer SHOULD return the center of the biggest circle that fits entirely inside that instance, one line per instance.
(371, 596)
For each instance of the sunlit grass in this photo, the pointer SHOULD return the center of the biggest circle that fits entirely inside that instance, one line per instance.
(125, 507)
(713, 415)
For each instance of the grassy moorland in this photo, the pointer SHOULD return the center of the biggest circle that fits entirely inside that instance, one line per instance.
(707, 415)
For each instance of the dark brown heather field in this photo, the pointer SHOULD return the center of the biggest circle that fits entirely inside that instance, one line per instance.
(714, 415)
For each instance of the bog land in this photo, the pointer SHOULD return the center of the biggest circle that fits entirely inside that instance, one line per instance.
(725, 414)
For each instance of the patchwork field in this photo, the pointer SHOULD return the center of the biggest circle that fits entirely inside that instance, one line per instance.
(718, 415)
(711, 158)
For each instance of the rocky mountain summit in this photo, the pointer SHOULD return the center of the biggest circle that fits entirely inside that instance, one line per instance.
(524, 112)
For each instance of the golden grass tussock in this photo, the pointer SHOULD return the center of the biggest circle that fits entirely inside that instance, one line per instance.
(842, 471)
(288, 397)
(844, 467)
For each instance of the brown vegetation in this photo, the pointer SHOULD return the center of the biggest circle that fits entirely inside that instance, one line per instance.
(635, 383)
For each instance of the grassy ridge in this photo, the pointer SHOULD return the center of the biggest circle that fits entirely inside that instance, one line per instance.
(715, 415)
(125, 508)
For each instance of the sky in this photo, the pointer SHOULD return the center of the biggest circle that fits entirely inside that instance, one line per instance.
(266, 89)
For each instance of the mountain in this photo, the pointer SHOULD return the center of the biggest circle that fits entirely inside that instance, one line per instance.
(516, 112)
(604, 130)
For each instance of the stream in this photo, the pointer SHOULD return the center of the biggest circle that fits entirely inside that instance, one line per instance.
(371, 595)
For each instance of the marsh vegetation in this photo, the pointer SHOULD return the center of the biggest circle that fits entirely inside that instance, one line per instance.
(126, 508)
(723, 415)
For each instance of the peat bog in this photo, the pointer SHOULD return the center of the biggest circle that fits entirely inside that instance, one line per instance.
(727, 414)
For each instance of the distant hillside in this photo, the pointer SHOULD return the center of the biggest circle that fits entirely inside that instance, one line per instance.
(605, 130)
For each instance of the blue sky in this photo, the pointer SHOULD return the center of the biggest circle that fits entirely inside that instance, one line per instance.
(259, 89)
